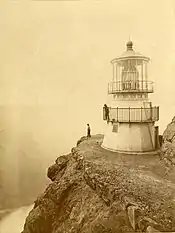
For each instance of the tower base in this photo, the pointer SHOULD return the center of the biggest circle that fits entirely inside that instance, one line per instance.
(154, 152)
(131, 138)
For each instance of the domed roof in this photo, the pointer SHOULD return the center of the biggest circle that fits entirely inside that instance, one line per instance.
(129, 45)
(130, 54)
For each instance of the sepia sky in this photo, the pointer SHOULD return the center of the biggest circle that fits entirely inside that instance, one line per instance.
(57, 54)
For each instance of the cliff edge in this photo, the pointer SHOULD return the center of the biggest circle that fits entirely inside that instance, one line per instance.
(97, 191)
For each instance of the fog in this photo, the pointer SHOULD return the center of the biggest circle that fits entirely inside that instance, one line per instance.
(16, 220)
(55, 66)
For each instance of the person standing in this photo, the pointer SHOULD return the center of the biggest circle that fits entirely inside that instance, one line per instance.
(106, 108)
(88, 131)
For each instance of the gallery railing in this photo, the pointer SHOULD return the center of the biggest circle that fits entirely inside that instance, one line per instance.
(132, 114)
(130, 86)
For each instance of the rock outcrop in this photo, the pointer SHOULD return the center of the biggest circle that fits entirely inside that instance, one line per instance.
(168, 147)
(97, 191)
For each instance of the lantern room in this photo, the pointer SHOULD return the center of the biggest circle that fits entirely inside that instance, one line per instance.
(130, 73)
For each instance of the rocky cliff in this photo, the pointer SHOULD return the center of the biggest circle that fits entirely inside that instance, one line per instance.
(97, 191)
(168, 147)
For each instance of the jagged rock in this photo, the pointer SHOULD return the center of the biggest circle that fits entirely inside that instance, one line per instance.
(60, 164)
(168, 146)
(145, 222)
(169, 133)
(81, 140)
(94, 190)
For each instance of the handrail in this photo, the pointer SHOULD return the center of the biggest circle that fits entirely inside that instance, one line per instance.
(130, 86)
(130, 114)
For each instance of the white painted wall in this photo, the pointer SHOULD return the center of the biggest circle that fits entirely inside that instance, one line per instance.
(134, 137)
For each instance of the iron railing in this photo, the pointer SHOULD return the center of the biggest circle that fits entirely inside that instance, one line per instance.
(130, 86)
(132, 114)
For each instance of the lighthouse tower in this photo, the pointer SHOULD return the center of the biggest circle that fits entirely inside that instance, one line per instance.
(130, 125)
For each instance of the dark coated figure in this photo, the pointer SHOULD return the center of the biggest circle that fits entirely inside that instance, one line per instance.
(106, 108)
(88, 131)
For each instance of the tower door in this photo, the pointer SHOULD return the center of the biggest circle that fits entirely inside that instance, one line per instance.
(157, 145)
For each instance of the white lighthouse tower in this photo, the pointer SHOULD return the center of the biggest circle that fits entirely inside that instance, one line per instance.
(130, 127)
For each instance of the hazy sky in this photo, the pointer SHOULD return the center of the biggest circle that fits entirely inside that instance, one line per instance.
(58, 53)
